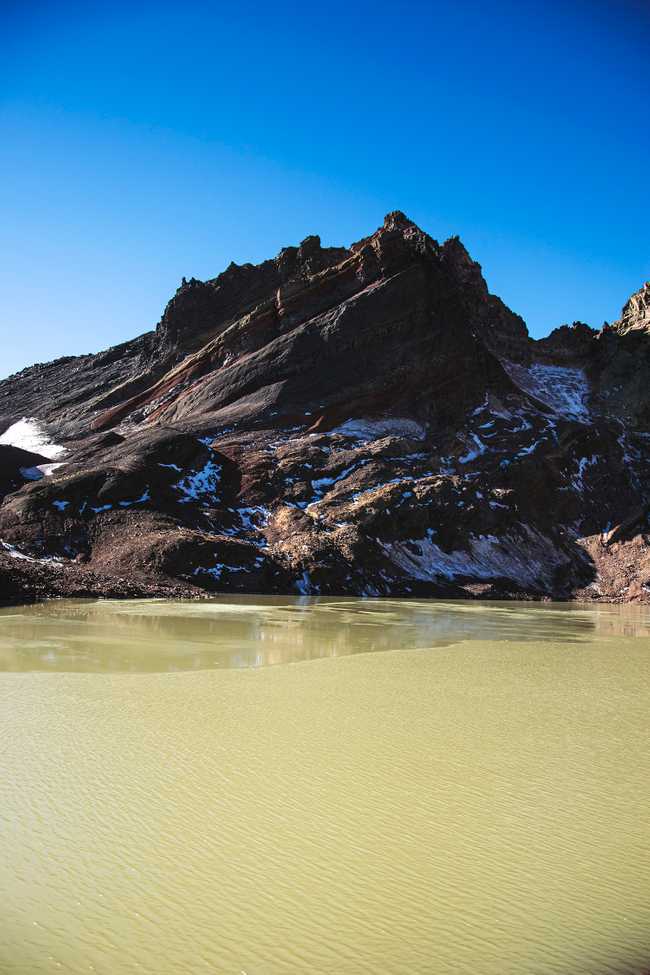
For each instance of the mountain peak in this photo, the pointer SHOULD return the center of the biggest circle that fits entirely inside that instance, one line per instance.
(338, 420)
(636, 311)
(396, 220)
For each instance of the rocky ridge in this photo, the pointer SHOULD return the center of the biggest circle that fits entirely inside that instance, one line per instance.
(365, 420)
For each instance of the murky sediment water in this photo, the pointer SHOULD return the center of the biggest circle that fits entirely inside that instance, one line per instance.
(475, 802)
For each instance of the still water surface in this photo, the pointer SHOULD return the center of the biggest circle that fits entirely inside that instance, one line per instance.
(248, 785)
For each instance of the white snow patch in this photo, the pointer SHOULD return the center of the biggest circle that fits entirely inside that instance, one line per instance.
(209, 439)
(529, 560)
(16, 554)
(304, 585)
(254, 518)
(525, 451)
(630, 456)
(446, 466)
(200, 485)
(370, 592)
(562, 388)
(396, 480)
(524, 425)
(478, 449)
(479, 409)
(145, 497)
(217, 570)
(320, 484)
(368, 430)
(499, 411)
(577, 481)
(28, 434)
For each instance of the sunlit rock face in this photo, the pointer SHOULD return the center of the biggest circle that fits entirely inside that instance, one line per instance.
(364, 420)
(636, 311)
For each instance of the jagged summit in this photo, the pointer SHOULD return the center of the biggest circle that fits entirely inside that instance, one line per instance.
(364, 420)
(396, 219)
(636, 311)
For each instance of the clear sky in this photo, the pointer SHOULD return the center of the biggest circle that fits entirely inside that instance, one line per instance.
(141, 142)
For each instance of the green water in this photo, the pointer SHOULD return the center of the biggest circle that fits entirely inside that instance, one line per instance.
(249, 785)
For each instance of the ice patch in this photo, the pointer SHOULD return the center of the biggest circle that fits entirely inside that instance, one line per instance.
(28, 434)
(31, 473)
(61, 505)
(40, 471)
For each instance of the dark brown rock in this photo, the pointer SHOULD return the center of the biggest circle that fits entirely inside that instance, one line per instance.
(364, 420)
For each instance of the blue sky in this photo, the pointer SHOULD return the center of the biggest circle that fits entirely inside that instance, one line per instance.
(144, 142)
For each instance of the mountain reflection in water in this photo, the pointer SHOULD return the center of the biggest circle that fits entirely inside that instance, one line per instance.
(148, 636)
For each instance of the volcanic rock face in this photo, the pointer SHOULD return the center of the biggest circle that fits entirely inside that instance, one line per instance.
(364, 421)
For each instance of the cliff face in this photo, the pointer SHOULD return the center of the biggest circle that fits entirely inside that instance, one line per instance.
(366, 420)
(636, 312)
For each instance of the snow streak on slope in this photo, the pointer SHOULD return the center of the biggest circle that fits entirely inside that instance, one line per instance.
(368, 430)
(562, 388)
(528, 559)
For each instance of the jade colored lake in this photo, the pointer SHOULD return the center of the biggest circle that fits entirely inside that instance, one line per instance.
(266, 786)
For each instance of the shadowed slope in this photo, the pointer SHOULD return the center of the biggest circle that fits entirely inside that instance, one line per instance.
(363, 420)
